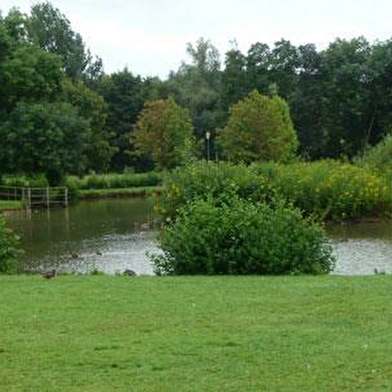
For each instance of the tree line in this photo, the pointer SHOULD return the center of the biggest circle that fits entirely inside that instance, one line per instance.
(61, 113)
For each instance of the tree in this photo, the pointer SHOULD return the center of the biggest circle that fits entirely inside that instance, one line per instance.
(92, 107)
(258, 64)
(124, 95)
(347, 107)
(48, 138)
(164, 132)
(196, 86)
(48, 123)
(49, 29)
(284, 61)
(307, 103)
(259, 128)
(235, 81)
(380, 91)
(30, 74)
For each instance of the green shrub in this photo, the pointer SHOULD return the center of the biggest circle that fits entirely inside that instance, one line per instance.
(239, 237)
(211, 181)
(115, 181)
(332, 190)
(37, 181)
(379, 157)
(8, 248)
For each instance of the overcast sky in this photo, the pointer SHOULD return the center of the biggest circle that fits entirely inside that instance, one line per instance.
(150, 36)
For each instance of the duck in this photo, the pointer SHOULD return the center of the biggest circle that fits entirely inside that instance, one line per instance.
(129, 272)
(49, 274)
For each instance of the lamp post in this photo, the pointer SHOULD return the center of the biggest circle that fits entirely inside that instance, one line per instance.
(208, 137)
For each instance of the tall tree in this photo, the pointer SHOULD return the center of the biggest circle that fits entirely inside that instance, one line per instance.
(164, 132)
(48, 138)
(380, 90)
(284, 62)
(258, 64)
(124, 95)
(92, 107)
(235, 81)
(259, 128)
(307, 103)
(346, 99)
(196, 86)
(49, 29)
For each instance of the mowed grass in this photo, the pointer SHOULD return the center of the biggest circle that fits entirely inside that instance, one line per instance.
(101, 333)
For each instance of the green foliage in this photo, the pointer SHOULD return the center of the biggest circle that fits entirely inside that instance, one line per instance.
(50, 138)
(8, 248)
(332, 190)
(92, 108)
(49, 29)
(325, 190)
(30, 74)
(124, 95)
(259, 129)
(242, 238)
(36, 181)
(197, 86)
(379, 157)
(206, 180)
(164, 132)
(115, 181)
(7, 205)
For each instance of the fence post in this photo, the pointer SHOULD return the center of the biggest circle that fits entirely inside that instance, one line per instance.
(29, 198)
(66, 197)
(47, 198)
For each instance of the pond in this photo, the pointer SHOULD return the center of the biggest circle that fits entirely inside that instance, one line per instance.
(107, 235)
(115, 234)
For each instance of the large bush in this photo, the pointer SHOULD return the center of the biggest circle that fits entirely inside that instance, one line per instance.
(242, 238)
(8, 248)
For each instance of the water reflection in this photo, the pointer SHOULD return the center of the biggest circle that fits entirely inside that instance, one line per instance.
(105, 235)
(362, 248)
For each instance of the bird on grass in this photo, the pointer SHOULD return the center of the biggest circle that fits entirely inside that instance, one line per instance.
(49, 274)
(129, 272)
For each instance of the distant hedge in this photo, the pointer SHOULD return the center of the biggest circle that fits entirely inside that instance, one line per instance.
(115, 180)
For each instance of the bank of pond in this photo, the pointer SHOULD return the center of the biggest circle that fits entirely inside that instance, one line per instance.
(205, 207)
(113, 235)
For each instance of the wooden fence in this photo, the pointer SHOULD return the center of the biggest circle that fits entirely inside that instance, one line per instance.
(35, 198)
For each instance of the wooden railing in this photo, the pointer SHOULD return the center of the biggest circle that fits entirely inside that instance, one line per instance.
(35, 198)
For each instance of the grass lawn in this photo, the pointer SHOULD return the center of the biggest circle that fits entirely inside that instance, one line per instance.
(10, 205)
(101, 333)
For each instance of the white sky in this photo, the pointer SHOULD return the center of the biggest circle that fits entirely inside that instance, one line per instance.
(150, 36)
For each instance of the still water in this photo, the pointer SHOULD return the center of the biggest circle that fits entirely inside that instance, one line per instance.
(114, 235)
(106, 235)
